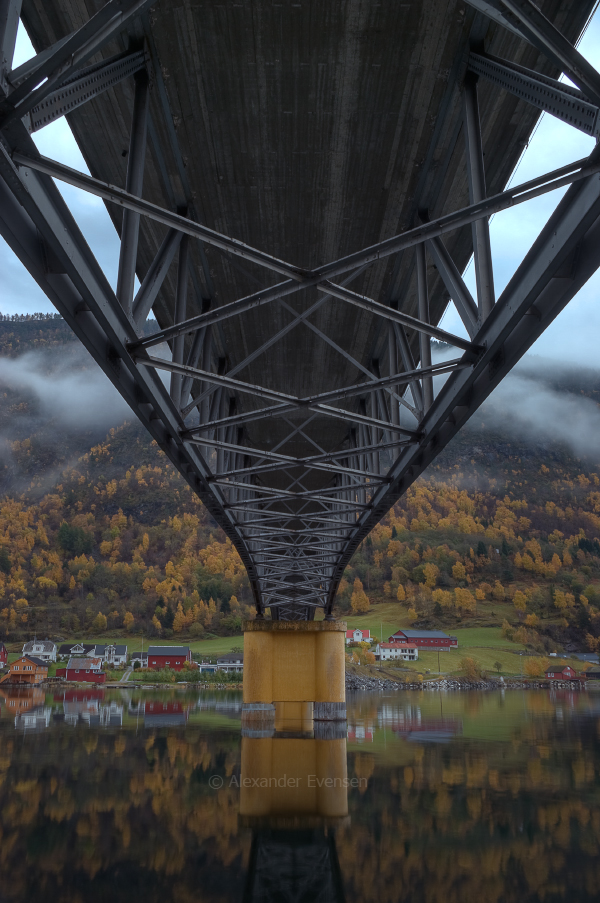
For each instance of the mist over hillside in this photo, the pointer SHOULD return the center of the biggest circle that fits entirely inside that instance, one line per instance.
(98, 532)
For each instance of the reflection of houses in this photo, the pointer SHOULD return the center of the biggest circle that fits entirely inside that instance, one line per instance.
(111, 715)
(37, 719)
(360, 733)
(406, 652)
(88, 707)
(45, 650)
(19, 701)
(3, 655)
(413, 725)
(26, 670)
(165, 714)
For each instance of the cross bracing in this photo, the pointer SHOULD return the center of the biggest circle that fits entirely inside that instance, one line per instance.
(295, 322)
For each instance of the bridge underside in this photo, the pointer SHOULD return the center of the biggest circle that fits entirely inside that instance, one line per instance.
(299, 402)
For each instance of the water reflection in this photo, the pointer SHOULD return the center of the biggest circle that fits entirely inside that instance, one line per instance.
(111, 795)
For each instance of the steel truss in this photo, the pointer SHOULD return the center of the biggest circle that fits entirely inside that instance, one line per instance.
(295, 520)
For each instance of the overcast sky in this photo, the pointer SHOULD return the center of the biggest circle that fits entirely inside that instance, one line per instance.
(574, 335)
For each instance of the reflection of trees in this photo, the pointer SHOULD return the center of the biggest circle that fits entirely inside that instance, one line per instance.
(492, 822)
(98, 815)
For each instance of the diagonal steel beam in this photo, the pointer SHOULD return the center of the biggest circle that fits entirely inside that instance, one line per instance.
(55, 65)
(83, 86)
(554, 97)
(558, 178)
(154, 278)
(396, 317)
(196, 230)
(455, 285)
(544, 35)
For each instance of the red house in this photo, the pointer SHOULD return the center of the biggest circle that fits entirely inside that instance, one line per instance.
(173, 657)
(425, 639)
(83, 670)
(557, 673)
(3, 656)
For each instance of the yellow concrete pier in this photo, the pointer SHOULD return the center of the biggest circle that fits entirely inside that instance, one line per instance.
(296, 666)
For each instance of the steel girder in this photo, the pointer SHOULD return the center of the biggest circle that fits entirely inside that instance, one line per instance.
(295, 520)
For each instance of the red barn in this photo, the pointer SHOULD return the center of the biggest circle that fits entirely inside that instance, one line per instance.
(3, 656)
(83, 670)
(557, 673)
(425, 639)
(173, 657)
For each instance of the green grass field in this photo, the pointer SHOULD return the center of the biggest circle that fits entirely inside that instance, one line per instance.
(485, 644)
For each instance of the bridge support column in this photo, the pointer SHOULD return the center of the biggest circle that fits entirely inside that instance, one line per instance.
(291, 667)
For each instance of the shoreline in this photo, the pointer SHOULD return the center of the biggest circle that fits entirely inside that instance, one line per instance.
(355, 684)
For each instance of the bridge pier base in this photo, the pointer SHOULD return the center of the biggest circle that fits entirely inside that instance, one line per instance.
(294, 674)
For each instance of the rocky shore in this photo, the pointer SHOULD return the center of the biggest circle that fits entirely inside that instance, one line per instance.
(355, 683)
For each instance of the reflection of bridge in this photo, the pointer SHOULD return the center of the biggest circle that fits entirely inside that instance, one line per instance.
(300, 407)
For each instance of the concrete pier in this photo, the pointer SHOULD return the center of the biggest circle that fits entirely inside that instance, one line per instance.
(294, 674)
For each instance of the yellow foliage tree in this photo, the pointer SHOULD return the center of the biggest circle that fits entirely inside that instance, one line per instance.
(157, 625)
(179, 621)
(535, 667)
(471, 668)
(359, 601)
(498, 591)
(100, 621)
(520, 600)
(430, 572)
(128, 621)
(401, 594)
(412, 615)
(459, 571)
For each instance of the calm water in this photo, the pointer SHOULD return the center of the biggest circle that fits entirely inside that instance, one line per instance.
(130, 796)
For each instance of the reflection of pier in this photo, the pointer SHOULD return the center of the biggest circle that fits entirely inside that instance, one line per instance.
(293, 794)
(293, 865)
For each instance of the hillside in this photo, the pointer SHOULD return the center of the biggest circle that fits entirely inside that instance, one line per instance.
(98, 533)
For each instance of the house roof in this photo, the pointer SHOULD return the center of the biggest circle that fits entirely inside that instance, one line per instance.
(47, 645)
(67, 648)
(350, 633)
(168, 650)
(396, 645)
(559, 670)
(120, 649)
(231, 657)
(84, 664)
(426, 634)
(138, 654)
(36, 661)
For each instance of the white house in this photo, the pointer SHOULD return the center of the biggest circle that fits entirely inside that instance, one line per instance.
(405, 651)
(358, 636)
(112, 655)
(42, 649)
